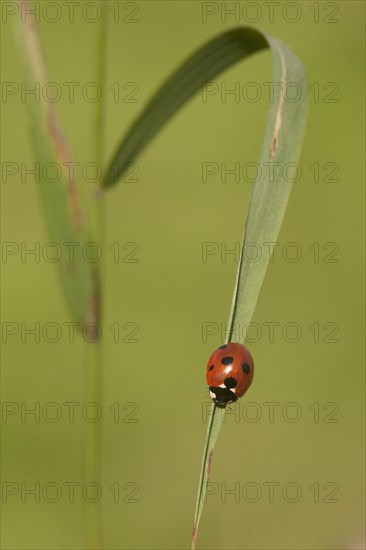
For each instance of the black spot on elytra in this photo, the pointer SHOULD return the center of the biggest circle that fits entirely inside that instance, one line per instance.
(230, 382)
(246, 368)
(211, 367)
(227, 360)
(223, 346)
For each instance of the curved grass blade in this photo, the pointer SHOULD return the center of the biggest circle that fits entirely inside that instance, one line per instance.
(281, 145)
(60, 199)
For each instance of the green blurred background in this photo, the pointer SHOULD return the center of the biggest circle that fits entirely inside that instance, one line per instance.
(170, 292)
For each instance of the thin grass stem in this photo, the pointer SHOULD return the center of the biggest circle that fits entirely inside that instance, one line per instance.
(93, 357)
(92, 446)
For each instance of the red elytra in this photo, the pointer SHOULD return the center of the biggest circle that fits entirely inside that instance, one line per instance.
(229, 373)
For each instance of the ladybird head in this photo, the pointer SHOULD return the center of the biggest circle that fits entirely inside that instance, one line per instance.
(222, 396)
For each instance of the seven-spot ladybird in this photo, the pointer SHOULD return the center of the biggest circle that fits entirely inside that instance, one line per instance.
(229, 373)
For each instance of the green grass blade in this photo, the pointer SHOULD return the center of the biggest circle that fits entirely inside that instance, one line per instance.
(63, 213)
(213, 430)
(281, 145)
